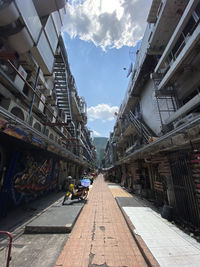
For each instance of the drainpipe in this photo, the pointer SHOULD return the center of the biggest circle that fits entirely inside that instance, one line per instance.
(33, 97)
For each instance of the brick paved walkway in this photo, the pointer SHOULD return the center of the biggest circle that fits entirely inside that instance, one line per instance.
(100, 236)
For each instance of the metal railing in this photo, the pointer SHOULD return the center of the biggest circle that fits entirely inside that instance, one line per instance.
(9, 246)
(140, 128)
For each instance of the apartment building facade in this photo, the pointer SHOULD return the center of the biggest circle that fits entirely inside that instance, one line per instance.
(44, 137)
(156, 138)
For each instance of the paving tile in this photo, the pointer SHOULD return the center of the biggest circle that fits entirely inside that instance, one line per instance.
(119, 192)
(167, 244)
(101, 235)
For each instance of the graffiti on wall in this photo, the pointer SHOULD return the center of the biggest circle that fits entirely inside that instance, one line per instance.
(33, 176)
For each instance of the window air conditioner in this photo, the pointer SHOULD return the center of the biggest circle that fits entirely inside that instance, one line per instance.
(186, 119)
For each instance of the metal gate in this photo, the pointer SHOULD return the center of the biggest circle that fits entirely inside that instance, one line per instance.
(184, 189)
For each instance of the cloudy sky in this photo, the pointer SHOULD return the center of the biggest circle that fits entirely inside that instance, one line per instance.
(101, 38)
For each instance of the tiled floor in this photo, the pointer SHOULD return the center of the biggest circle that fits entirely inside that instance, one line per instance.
(117, 191)
(169, 245)
(101, 236)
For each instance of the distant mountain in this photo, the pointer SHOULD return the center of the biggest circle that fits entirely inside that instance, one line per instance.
(100, 144)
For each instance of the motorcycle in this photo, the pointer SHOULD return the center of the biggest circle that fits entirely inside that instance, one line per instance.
(80, 193)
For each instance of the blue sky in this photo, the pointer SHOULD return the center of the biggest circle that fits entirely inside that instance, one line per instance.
(98, 36)
(100, 77)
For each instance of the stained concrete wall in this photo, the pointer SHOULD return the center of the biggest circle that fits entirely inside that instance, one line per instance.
(149, 107)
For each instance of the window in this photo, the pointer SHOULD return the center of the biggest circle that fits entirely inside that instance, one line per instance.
(197, 11)
(188, 30)
(189, 26)
(176, 50)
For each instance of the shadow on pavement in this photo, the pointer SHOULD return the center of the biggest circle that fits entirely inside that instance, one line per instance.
(20, 215)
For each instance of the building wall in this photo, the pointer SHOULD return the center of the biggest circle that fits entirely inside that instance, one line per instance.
(27, 175)
(149, 108)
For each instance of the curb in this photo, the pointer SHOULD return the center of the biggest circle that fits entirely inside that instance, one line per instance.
(146, 253)
(52, 229)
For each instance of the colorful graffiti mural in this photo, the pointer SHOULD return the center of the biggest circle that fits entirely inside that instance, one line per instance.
(34, 178)
(29, 174)
(38, 175)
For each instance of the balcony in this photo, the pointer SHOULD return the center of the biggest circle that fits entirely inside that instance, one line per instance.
(76, 105)
(152, 17)
(167, 19)
(8, 13)
(28, 134)
(183, 55)
(43, 54)
(183, 39)
(20, 41)
(182, 111)
(57, 22)
(30, 18)
(45, 7)
(51, 34)
(84, 117)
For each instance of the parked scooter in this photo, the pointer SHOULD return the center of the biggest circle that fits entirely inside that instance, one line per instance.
(80, 193)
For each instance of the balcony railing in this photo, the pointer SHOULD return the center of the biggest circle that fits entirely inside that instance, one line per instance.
(141, 129)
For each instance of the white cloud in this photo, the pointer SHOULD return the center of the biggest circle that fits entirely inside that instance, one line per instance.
(103, 112)
(107, 23)
(96, 134)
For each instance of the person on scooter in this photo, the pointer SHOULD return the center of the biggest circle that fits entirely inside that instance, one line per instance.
(76, 190)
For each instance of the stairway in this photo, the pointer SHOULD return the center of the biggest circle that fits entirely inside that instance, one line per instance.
(63, 92)
(140, 128)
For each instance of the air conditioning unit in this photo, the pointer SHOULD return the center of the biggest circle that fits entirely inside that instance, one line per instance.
(47, 92)
(18, 81)
(50, 82)
(52, 100)
(62, 114)
(186, 119)
(41, 105)
(55, 114)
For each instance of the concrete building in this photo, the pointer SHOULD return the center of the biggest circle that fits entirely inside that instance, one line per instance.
(154, 147)
(43, 130)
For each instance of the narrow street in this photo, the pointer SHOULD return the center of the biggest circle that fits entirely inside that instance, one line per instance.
(113, 229)
(129, 234)
(101, 236)
(99, 133)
